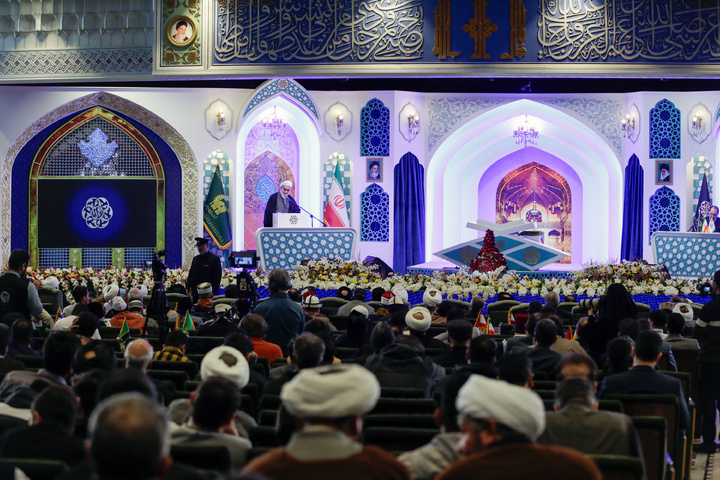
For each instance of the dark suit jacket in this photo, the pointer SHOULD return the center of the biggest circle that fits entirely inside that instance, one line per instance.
(643, 379)
(42, 441)
(271, 208)
(544, 359)
(8, 364)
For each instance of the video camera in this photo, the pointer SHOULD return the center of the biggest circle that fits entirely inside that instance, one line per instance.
(704, 289)
(245, 259)
(247, 288)
(157, 265)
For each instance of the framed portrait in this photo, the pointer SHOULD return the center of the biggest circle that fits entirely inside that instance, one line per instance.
(182, 30)
(374, 169)
(663, 172)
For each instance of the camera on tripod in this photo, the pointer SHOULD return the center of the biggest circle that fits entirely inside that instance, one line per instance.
(247, 288)
(245, 259)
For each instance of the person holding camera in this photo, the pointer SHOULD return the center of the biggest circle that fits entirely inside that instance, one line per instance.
(707, 333)
(205, 268)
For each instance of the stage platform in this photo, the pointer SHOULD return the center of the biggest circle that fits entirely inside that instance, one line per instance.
(554, 270)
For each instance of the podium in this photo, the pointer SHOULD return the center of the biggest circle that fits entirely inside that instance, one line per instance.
(291, 220)
(687, 254)
(286, 247)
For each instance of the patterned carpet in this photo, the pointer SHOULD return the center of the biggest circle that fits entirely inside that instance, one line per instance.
(702, 468)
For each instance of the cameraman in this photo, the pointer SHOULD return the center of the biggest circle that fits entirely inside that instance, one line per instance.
(707, 332)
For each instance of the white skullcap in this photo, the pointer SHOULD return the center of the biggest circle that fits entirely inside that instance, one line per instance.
(518, 408)
(134, 294)
(688, 314)
(143, 289)
(204, 288)
(395, 300)
(118, 304)
(222, 307)
(432, 297)
(225, 362)
(331, 391)
(418, 319)
(401, 292)
(286, 183)
(51, 282)
(311, 301)
(110, 292)
(361, 309)
(386, 298)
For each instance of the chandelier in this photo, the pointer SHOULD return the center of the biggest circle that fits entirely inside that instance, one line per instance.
(273, 125)
(526, 134)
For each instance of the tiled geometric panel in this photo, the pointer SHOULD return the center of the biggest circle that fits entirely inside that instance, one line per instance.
(54, 257)
(329, 173)
(664, 211)
(700, 165)
(375, 129)
(282, 86)
(664, 130)
(96, 257)
(686, 254)
(374, 214)
(267, 170)
(136, 257)
(218, 157)
(286, 249)
(66, 159)
(76, 62)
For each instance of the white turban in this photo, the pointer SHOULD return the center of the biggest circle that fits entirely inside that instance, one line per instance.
(432, 297)
(286, 183)
(225, 362)
(361, 309)
(386, 297)
(110, 292)
(518, 408)
(402, 293)
(688, 314)
(331, 391)
(118, 304)
(51, 282)
(418, 319)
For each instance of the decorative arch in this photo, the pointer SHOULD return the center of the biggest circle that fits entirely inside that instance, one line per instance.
(664, 130)
(182, 176)
(664, 211)
(462, 158)
(537, 193)
(305, 143)
(375, 129)
(374, 214)
(288, 89)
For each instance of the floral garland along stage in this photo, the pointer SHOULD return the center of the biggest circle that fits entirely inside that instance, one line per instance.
(638, 277)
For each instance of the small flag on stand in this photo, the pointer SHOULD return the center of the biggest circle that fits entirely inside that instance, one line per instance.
(569, 334)
(187, 323)
(124, 334)
(483, 325)
(702, 212)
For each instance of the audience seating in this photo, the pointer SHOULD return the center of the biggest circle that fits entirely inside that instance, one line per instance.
(397, 439)
(202, 345)
(391, 392)
(51, 300)
(652, 433)
(498, 311)
(519, 308)
(224, 301)
(404, 405)
(327, 311)
(267, 418)
(375, 304)
(618, 467)
(191, 368)
(30, 361)
(172, 299)
(176, 376)
(111, 333)
(346, 353)
(7, 423)
(578, 313)
(507, 329)
(460, 304)
(418, 420)
(203, 457)
(270, 402)
(333, 302)
(567, 306)
(338, 321)
(263, 436)
(643, 310)
(39, 468)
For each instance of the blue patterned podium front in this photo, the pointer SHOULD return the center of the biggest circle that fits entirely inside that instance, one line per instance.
(687, 254)
(287, 247)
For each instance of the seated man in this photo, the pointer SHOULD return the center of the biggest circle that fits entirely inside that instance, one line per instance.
(358, 299)
(50, 435)
(675, 326)
(328, 403)
(543, 358)
(308, 351)
(174, 348)
(577, 423)
(500, 423)
(643, 378)
(204, 306)
(214, 405)
(459, 335)
(20, 339)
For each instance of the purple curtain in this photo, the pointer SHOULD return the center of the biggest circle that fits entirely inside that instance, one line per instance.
(409, 210)
(632, 248)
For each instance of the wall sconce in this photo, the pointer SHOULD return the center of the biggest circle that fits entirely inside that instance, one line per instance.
(339, 122)
(413, 123)
(221, 120)
(628, 125)
(698, 127)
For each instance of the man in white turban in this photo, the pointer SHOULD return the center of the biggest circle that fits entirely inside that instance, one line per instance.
(280, 201)
(500, 423)
(329, 403)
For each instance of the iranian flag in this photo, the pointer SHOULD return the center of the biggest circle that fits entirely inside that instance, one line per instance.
(336, 214)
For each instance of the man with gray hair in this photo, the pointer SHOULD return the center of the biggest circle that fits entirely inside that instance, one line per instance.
(139, 356)
(577, 423)
(500, 423)
(129, 438)
(285, 318)
(552, 299)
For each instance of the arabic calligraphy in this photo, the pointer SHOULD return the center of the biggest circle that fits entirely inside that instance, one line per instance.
(480, 28)
(442, 31)
(518, 21)
(594, 30)
(97, 212)
(318, 30)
